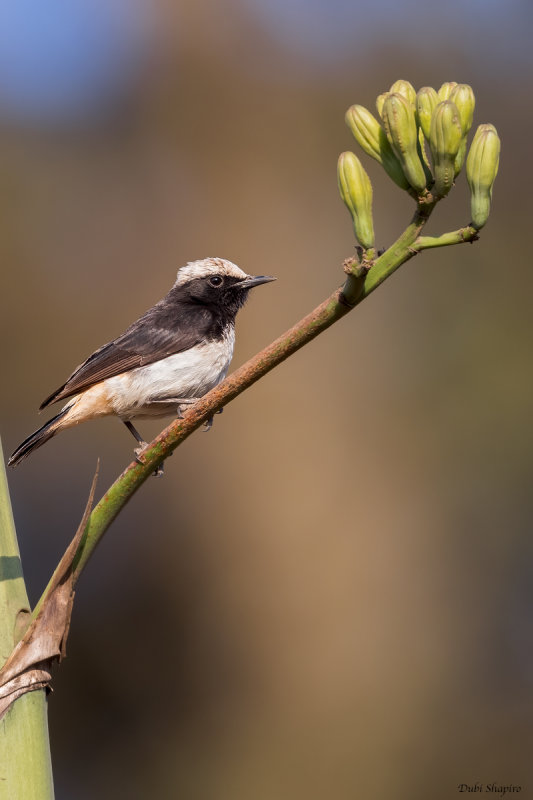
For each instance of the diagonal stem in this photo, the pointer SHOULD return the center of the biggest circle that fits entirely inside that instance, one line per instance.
(355, 289)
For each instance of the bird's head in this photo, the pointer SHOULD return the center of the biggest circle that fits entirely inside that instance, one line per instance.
(217, 283)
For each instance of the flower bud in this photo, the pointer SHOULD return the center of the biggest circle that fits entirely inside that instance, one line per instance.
(372, 138)
(445, 140)
(481, 170)
(463, 97)
(446, 90)
(402, 133)
(356, 191)
(426, 102)
(380, 99)
(406, 89)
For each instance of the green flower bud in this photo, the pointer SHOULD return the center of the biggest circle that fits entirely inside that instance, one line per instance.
(380, 99)
(402, 133)
(372, 138)
(463, 97)
(481, 170)
(446, 90)
(406, 89)
(445, 140)
(426, 102)
(356, 191)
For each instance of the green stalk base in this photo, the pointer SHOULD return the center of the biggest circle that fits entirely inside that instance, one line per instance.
(25, 763)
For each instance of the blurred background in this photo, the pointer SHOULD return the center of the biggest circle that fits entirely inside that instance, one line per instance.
(330, 594)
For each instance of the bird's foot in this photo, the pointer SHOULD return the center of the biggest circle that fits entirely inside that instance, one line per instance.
(139, 451)
(209, 422)
(140, 460)
(184, 401)
(142, 447)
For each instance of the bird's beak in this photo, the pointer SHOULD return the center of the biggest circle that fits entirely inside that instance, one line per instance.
(251, 281)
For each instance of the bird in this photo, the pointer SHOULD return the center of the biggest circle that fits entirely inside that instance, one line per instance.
(170, 357)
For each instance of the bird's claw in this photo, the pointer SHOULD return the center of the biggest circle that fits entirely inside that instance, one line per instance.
(209, 422)
(139, 451)
(159, 471)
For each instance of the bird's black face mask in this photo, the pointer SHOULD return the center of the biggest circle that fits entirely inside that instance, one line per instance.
(222, 293)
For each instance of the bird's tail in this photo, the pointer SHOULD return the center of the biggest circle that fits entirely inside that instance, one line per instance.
(37, 439)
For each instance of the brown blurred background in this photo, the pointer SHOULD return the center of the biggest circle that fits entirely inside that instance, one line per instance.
(328, 596)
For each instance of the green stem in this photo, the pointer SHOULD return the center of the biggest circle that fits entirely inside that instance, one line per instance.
(468, 234)
(25, 765)
(402, 249)
(14, 603)
(355, 290)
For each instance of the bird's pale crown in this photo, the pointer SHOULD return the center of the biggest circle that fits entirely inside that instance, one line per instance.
(208, 266)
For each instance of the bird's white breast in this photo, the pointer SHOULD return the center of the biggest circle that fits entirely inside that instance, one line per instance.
(191, 373)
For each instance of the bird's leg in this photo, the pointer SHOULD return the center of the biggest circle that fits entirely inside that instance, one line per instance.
(135, 433)
(142, 444)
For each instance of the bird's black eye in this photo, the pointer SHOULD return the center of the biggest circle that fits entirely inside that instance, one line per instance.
(216, 280)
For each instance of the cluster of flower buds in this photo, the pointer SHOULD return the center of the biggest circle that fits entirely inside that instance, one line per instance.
(413, 126)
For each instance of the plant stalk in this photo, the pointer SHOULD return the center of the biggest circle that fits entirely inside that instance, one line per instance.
(25, 763)
(355, 289)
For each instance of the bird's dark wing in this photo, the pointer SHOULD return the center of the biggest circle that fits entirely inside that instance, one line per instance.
(164, 330)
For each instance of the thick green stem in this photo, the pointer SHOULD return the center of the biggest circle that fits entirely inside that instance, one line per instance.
(25, 765)
(14, 604)
(402, 249)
